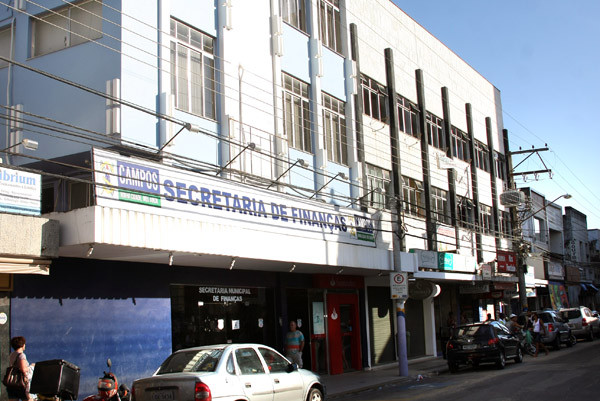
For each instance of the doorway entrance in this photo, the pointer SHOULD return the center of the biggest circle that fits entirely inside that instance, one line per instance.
(343, 333)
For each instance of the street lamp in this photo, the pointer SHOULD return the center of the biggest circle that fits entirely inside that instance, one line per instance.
(522, 250)
(27, 144)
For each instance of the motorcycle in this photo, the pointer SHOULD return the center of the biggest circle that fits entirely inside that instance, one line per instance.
(109, 388)
(526, 342)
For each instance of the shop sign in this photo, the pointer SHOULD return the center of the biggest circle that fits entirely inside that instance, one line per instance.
(335, 281)
(555, 270)
(399, 285)
(445, 261)
(427, 259)
(486, 272)
(136, 184)
(20, 192)
(504, 286)
(507, 261)
(491, 295)
(474, 288)
(225, 294)
(421, 289)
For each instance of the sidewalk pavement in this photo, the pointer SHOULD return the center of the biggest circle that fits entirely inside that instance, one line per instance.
(338, 386)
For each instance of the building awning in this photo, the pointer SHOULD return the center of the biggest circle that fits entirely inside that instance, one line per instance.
(592, 287)
(583, 286)
(24, 266)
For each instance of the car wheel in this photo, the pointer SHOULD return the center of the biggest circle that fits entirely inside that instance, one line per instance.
(519, 357)
(501, 362)
(475, 363)
(315, 395)
(571, 340)
(452, 367)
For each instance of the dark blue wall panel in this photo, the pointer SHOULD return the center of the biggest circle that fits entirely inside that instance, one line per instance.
(86, 312)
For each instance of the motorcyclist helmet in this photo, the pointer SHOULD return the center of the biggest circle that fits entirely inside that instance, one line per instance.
(107, 385)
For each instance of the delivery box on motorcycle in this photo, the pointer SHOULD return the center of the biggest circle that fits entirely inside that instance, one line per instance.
(56, 377)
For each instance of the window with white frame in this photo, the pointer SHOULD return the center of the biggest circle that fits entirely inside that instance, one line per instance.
(192, 70)
(435, 131)
(439, 205)
(505, 227)
(413, 200)
(294, 13)
(329, 21)
(67, 26)
(377, 178)
(482, 160)
(500, 162)
(296, 113)
(485, 219)
(407, 117)
(539, 229)
(460, 145)
(374, 99)
(334, 129)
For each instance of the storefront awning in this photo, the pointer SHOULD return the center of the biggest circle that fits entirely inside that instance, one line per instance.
(592, 287)
(583, 286)
(24, 266)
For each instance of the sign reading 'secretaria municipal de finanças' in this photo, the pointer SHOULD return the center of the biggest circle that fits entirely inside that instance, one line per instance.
(125, 182)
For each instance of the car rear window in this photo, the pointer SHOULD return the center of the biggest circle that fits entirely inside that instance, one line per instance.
(546, 318)
(571, 314)
(205, 360)
(483, 331)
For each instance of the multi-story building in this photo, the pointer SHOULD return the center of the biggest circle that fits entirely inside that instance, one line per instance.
(542, 231)
(582, 290)
(218, 168)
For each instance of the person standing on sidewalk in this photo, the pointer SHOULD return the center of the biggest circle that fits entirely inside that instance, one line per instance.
(294, 344)
(539, 330)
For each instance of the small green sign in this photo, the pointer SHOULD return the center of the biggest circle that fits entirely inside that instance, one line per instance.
(445, 261)
(142, 199)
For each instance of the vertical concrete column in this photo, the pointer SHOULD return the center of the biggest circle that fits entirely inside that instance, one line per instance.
(431, 231)
(451, 172)
(474, 185)
(495, 209)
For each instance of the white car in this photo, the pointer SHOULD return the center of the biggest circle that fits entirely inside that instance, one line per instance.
(582, 322)
(229, 372)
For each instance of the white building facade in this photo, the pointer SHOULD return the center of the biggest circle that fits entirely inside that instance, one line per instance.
(219, 168)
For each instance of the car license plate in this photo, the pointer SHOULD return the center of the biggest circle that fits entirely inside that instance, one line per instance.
(470, 346)
(163, 395)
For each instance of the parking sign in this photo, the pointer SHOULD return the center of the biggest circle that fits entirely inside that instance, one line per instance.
(399, 285)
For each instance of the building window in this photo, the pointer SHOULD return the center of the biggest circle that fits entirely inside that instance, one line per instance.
(334, 129)
(296, 113)
(66, 26)
(500, 166)
(460, 145)
(539, 230)
(465, 213)
(482, 159)
(407, 117)
(377, 178)
(413, 202)
(439, 205)
(435, 131)
(505, 225)
(192, 70)
(329, 21)
(374, 99)
(485, 219)
(5, 37)
(294, 13)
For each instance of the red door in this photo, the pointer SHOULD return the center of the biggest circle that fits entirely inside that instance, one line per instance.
(343, 334)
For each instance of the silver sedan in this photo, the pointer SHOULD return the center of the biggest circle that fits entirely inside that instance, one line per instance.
(229, 372)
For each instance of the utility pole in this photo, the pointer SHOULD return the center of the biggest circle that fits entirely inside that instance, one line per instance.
(520, 247)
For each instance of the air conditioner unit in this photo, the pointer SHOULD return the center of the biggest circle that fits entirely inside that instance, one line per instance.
(512, 198)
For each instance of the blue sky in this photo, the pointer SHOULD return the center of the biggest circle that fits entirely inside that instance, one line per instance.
(544, 56)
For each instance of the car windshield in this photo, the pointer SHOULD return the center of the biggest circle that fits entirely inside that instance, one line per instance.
(482, 331)
(571, 314)
(204, 360)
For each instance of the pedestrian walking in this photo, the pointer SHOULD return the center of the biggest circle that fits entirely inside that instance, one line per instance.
(294, 344)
